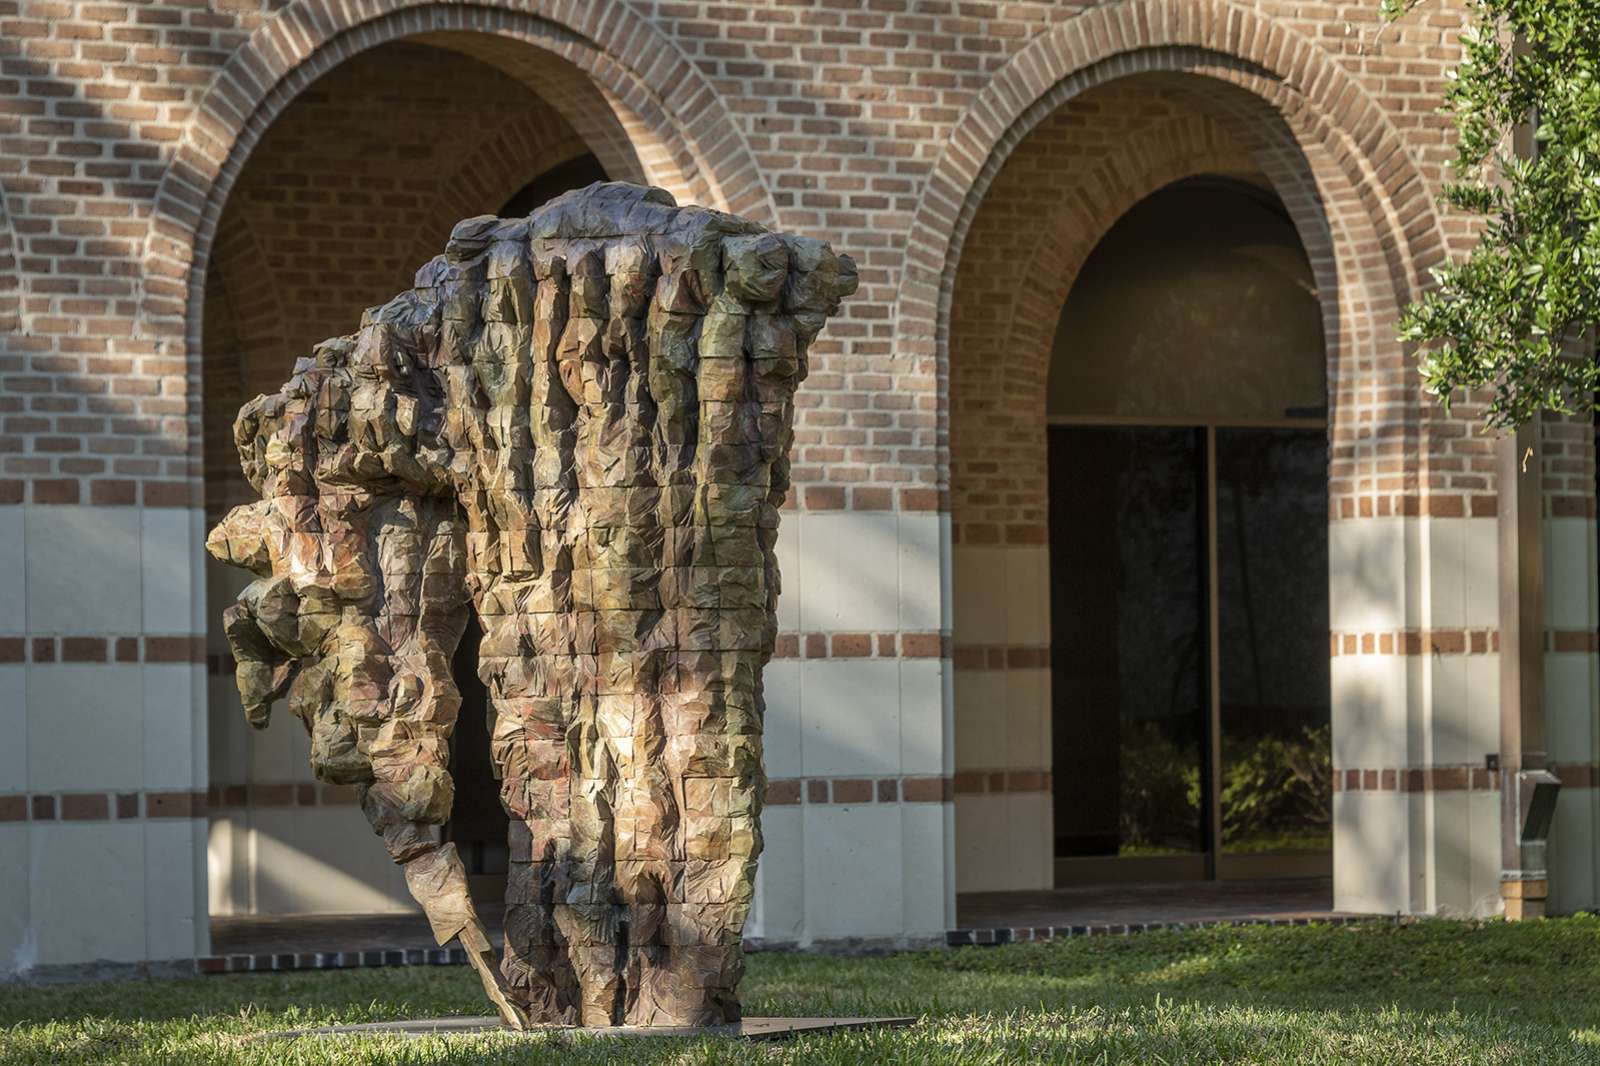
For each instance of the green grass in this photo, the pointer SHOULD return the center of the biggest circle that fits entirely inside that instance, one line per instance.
(1422, 993)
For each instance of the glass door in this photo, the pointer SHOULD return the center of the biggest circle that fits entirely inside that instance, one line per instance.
(1271, 492)
(1189, 656)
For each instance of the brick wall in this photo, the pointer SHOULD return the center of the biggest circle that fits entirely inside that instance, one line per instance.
(850, 121)
(1059, 193)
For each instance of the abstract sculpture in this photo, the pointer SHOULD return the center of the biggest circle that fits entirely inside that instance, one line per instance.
(577, 425)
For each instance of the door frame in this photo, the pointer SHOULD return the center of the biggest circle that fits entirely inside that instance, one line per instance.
(1212, 864)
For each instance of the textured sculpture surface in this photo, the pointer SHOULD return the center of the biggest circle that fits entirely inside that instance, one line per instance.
(577, 425)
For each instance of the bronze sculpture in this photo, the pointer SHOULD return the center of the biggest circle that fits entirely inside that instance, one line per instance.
(577, 425)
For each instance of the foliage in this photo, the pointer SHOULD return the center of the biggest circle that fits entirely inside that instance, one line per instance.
(1271, 786)
(1159, 784)
(1511, 316)
(1422, 994)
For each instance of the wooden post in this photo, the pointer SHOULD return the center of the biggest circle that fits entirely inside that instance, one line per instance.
(1527, 787)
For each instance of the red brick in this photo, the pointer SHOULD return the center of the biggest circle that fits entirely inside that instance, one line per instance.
(83, 649)
(104, 493)
(927, 790)
(173, 650)
(169, 494)
(851, 645)
(824, 498)
(851, 790)
(969, 781)
(174, 805)
(864, 498)
(783, 792)
(85, 807)
(55, 490)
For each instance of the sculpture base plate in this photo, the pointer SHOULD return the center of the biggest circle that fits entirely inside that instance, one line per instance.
(748, 1029)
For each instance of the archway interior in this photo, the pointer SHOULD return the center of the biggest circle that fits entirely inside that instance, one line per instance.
(1188, 546)
(354, 186)
(1150, 261)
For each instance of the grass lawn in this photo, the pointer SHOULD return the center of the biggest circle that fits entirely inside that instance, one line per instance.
(1428, 992)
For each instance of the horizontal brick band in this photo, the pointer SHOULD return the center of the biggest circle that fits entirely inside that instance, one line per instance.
(1002, 656)
(861, 646)
(1452, 642)
(104, 492)
(788, 791)
(1415, 642)
(331, 960)
(183, 648)
(1450, 778)
(864, 498)
(1582, 641)
(279, 794)
(797, 646)
(781, 791)
(100, 806)
(124, 492)
(1417, 779)
(977, 781)
(1403, 505)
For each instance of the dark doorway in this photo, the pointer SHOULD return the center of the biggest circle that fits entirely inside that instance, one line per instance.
(577, 173)
(1188, 467)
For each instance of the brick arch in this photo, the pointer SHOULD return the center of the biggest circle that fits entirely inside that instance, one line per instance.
(245, 315)
(1007, 307)
(1137, 168)
(1359, 168)
(493, 174)
(590, 61)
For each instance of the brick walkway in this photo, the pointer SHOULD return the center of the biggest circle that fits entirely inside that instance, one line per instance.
(332, 941)
(998, 917)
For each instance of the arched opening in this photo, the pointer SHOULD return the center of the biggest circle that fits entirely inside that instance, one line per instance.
(1188, 547)
(1141, 327)
(354, 185)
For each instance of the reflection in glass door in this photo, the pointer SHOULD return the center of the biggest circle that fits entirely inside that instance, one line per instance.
(1271, 492)
(1189, 585)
